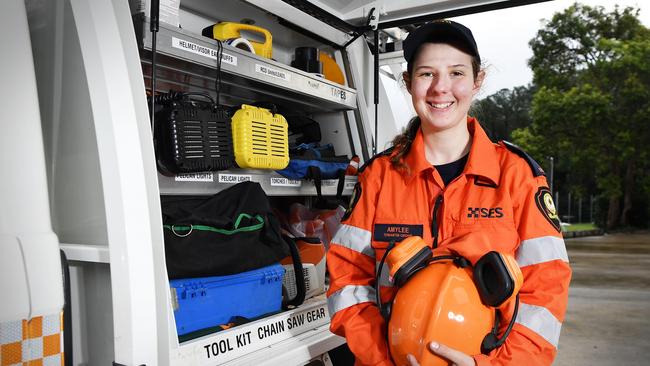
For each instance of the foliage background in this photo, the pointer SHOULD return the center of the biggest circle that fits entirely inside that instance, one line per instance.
(588, 107)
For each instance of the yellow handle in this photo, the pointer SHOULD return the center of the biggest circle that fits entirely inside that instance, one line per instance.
(228, 30)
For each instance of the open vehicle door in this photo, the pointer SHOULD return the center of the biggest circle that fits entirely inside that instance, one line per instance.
(92, 65)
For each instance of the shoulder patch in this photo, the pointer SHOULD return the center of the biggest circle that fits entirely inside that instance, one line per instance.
(544, 201)
(536, 168)
(383, 153)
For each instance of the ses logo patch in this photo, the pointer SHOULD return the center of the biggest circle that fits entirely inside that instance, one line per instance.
(484, 212)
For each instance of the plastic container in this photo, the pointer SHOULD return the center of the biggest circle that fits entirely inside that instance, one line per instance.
(307, 59)
(206, 302)
(193, 136)
(260, 138)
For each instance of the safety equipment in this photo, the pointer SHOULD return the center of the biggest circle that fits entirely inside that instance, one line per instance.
(441, 298)
(230, 30)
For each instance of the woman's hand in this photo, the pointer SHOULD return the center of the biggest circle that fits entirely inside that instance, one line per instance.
(457, 358)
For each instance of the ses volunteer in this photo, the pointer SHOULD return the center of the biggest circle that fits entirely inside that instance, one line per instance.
(444, 180)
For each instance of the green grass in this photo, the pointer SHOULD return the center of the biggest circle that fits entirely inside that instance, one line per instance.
(580, 227)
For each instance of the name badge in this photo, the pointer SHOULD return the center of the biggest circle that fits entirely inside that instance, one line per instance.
(395, 232)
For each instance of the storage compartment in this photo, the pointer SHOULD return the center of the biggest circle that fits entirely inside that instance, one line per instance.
(206, 302)
(258, 92)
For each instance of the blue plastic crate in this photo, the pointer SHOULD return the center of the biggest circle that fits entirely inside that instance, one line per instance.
(210, 301)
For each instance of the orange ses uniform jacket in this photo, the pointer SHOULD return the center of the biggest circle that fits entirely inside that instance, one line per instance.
(501, 196)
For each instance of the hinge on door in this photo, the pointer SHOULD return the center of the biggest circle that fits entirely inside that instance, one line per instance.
(373, 15)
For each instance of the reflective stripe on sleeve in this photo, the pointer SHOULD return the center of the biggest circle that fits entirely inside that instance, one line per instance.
(348, 296)
(540, 250)
(541, 321)
(383, 276)
(353, 238)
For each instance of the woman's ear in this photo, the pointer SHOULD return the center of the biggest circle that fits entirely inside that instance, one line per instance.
(478, 82)
(407, 80)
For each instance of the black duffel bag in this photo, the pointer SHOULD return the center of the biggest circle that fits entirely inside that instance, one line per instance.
(231, 232)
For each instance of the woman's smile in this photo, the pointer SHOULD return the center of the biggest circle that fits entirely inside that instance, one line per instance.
(440, 106)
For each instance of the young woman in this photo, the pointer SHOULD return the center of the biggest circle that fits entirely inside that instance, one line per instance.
(444, 179)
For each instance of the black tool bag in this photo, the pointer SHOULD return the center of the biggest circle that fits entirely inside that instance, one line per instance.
(191, 134)
(231, 232)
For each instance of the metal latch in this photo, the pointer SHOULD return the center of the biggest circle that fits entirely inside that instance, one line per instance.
(175, 305)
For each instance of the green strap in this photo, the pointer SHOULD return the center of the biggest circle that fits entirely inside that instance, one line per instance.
(237, 229)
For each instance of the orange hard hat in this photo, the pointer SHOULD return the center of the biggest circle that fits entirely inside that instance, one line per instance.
(447, 300)
(439, 303)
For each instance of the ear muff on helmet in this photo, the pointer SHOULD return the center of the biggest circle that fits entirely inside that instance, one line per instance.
(497, 277)
(404, 260)
(411, 255)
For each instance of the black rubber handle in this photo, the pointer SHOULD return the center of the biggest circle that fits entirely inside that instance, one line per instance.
(300, 276)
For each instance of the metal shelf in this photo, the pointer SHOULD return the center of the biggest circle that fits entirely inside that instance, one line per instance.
(188, 59)
(86, 252)
(273, 183)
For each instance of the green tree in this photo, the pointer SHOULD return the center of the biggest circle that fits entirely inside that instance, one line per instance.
(504, 111)
(570, 43)
(592, 107)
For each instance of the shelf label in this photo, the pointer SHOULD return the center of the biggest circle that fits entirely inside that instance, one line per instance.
(349, 184)
(313, 84)
(208, 52)
(234, 178)
(285, 182)
(329, 182)
(269, 71)
(239, 341)
(195, 177)
(339, 94)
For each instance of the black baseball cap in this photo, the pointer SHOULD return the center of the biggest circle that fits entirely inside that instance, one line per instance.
(440, 31)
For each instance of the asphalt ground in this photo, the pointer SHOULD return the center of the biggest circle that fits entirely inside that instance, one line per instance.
(608, 317)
